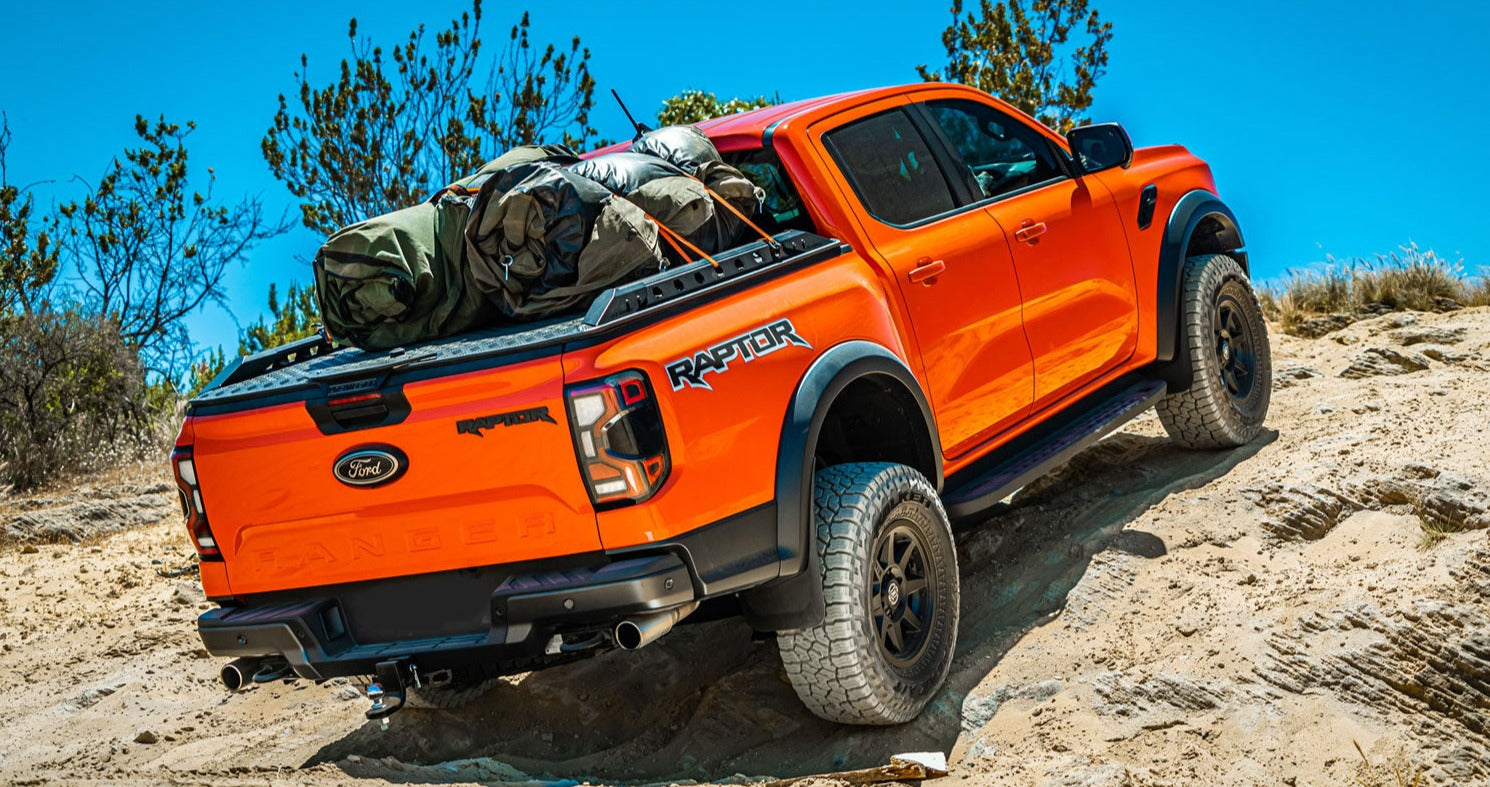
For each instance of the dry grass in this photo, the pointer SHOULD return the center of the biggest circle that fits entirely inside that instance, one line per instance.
(1315, 302)
(1431, 535)
(1399, 779)
(1479, 289)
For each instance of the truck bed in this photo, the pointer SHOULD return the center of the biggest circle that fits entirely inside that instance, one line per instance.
(289, 373)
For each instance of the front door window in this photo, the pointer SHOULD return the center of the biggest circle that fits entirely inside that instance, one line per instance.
(1002, 155)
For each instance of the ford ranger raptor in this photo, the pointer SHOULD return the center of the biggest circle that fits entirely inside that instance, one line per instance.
(955, 299)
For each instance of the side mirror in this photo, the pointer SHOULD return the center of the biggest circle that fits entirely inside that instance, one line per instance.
(1100, 146)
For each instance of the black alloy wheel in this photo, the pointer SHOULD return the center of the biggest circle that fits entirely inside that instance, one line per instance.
(1235, 354)
(902, 594)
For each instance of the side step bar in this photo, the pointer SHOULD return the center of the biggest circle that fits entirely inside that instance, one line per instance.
(1048, 446)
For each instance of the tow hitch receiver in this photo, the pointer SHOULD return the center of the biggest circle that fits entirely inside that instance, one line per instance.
(387, 689)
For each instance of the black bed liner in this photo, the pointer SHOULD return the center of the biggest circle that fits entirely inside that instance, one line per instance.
(288, 373)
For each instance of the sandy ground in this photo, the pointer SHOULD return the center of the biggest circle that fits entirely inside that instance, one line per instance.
(1144, 616)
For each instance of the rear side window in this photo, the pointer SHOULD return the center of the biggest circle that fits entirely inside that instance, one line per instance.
(782, 209)
(891, 168)
(1002, 154)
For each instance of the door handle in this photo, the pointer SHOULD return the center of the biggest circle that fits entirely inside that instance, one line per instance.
(927, 270)
(1029, 231)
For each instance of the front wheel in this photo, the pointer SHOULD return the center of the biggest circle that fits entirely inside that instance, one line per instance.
(1230, 362)
(889, 573)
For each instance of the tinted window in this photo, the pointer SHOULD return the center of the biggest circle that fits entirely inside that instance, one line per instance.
(891, 168)
(782, 209)
(1001, 153)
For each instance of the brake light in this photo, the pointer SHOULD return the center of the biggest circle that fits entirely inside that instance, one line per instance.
(346, 400)
(619, 437)
(191, 504)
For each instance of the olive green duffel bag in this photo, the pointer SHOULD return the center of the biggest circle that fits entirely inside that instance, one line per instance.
(402, 277)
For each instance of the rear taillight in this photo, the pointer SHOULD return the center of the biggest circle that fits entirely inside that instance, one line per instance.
(619, 438)
(192, 505)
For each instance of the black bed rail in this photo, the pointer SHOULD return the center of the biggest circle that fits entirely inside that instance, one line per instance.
(250, 366)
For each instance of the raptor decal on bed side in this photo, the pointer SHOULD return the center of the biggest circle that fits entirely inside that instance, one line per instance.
(689, 372)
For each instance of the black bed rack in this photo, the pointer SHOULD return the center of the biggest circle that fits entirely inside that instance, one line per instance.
(695, 279)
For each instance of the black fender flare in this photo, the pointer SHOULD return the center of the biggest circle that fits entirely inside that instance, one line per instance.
(795, 600)
(1193, 208)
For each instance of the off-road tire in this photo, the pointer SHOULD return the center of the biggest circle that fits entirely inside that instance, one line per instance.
(843, 668)
(1218, 411)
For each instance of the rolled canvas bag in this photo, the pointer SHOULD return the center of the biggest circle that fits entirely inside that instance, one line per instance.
(622, 244)
(658, 187)
(399, 278)
(525, 239)
(725, 229)
(683, 146)
(525, 154)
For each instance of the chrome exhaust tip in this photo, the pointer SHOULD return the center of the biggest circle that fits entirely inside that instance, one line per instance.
(638, 632)
(238, 673)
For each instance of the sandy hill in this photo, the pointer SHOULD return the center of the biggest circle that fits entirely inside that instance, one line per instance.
(1145, 616)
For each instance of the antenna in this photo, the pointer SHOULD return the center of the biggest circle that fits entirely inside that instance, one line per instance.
(641, 128)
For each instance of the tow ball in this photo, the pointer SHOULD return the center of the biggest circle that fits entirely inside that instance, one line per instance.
(387, 690)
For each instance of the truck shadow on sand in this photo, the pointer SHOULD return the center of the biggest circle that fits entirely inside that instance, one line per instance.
(709, 700)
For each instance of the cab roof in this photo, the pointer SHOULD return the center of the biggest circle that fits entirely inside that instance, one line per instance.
(748, 129)
(754, 123)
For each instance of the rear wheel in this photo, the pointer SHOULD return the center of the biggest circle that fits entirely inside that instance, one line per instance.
(1230, 363)
(889, 572)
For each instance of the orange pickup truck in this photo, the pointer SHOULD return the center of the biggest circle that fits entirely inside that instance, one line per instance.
(956, 300)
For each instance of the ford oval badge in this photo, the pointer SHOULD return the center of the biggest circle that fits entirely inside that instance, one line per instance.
(370, 465)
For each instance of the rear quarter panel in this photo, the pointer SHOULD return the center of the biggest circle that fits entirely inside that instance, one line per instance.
(724, 439)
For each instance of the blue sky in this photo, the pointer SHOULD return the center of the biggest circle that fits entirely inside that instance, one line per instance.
(1338, 129)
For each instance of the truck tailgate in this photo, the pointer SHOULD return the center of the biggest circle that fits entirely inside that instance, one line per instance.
(489, 476)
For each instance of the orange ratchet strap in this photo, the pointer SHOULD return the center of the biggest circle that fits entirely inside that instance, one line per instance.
(765, 236)
(674, 239)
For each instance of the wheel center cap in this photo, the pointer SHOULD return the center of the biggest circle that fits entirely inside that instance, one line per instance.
(892, 594)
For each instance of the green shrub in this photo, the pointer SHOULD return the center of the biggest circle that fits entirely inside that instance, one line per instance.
(73, 398)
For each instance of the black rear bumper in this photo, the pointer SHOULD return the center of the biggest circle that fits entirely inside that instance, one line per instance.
(519, 615)
(317, 636)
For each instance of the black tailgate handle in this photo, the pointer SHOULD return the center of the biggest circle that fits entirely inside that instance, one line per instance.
(337, 411)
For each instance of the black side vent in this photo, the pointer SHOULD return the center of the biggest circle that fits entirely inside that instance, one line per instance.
(1147, 201)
